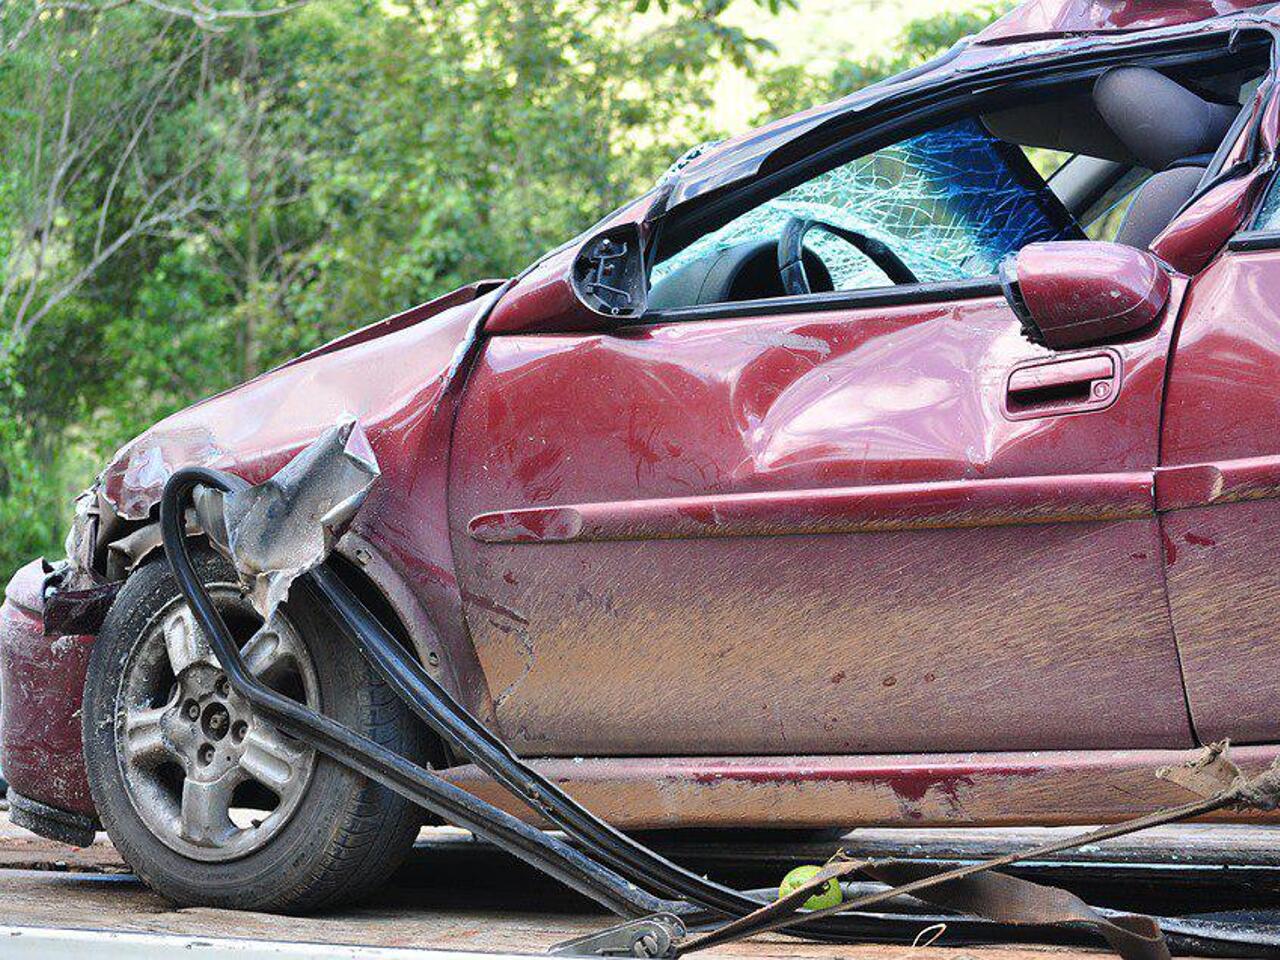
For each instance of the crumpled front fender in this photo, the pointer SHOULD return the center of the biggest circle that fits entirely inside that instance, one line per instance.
(389, 376)
(400, 380)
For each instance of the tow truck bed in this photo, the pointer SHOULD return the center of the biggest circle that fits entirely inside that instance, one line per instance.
(462, 897)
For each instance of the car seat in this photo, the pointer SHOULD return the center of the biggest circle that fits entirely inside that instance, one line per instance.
(1170, 130)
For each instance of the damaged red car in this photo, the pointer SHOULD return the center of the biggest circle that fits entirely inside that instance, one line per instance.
(910, 460)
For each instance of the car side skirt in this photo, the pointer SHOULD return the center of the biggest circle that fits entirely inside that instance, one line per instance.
(1041, 788)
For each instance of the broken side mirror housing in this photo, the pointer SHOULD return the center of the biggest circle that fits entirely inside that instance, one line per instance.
(609, 274)
(1076, 293)
(595, 285)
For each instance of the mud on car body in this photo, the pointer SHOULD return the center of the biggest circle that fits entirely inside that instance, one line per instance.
(899, 457)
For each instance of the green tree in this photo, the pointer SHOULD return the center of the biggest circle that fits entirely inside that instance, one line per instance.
(793, 87)
(32, 505)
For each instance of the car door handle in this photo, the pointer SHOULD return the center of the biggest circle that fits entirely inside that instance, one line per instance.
(1041, 388)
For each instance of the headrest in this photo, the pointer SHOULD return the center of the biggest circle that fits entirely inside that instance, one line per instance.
(1158, 119)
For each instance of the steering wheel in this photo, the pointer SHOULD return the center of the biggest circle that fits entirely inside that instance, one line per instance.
(791, 253)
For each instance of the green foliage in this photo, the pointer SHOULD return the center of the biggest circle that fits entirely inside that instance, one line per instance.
(792, 87)
(33, 504)
(182, 207)
(468, 153)
(714, 7)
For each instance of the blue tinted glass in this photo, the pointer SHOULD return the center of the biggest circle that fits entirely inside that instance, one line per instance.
(952, 203)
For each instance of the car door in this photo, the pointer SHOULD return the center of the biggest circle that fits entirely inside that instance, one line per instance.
(866, 520)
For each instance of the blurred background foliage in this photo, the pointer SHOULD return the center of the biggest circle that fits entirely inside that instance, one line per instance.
(191, 195)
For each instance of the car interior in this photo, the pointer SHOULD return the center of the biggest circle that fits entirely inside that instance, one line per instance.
(1115, 160)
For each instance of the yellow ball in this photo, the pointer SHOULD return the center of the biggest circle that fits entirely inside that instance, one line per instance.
(828, 896)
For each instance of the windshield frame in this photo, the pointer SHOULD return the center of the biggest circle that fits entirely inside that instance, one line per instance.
(972, 64)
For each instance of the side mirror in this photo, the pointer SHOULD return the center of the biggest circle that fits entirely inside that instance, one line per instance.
(1076, 293)
(609, 274)
(594, 285)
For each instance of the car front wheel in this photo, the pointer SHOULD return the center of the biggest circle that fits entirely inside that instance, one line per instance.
(211, 804)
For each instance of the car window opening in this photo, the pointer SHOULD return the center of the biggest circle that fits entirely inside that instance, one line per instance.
(1116, 159)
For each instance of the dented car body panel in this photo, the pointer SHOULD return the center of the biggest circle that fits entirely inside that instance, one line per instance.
(793, 563)
(401, 384)
(830, 493)
(1221, 471)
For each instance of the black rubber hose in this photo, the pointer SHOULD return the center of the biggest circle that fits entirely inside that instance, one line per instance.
(419, 785)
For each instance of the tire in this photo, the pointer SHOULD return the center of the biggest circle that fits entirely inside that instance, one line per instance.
(333, 835)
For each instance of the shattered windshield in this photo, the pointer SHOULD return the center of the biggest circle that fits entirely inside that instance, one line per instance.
(951, 203)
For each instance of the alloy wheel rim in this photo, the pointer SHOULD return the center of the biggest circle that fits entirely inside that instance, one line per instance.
(210, 779)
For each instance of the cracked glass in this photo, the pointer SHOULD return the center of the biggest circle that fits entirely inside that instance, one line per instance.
(951, 203)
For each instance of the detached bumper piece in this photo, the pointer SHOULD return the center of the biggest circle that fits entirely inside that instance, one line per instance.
(42, 678)
(75, 829)
(280, 549)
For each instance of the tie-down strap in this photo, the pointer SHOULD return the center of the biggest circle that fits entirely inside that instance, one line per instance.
(978, 890)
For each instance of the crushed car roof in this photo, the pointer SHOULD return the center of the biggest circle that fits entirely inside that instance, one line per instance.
(1056, 18)
(1037, 27)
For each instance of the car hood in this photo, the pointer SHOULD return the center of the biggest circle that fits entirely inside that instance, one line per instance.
(390, 376)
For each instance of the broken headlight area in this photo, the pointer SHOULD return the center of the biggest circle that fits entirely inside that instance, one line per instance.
(273, 532)
(79, 590)
(74, 612)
